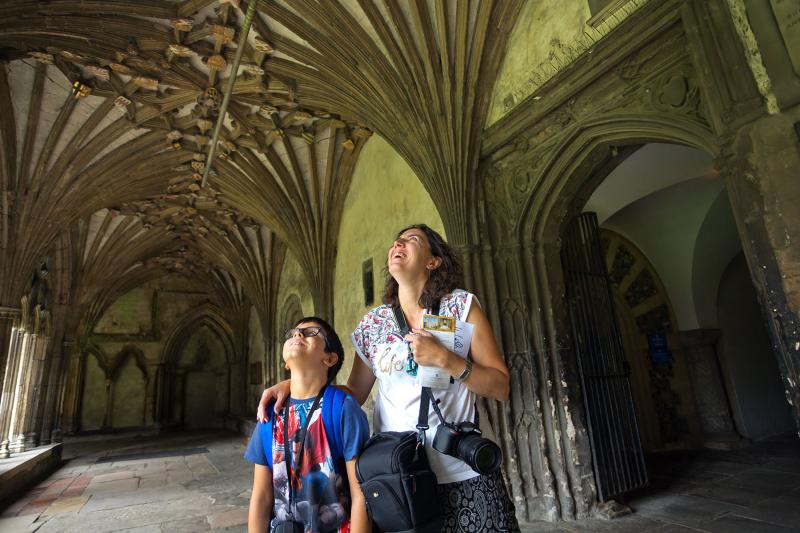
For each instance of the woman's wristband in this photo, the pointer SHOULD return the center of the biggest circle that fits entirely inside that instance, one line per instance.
(466, 372)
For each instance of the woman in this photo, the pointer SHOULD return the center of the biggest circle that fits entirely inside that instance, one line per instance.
(423, 271)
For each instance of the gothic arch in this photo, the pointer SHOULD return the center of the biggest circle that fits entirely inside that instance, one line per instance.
(583, 159)
(206, 315)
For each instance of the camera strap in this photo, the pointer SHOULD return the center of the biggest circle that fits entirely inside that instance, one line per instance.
(427, 396)
(287, 446)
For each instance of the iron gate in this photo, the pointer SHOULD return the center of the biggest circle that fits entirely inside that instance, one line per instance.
(604, 372)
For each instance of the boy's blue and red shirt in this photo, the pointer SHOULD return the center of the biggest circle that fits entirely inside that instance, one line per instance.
(321, 490)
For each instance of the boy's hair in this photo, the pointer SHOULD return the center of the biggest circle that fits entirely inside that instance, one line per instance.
(332, 343)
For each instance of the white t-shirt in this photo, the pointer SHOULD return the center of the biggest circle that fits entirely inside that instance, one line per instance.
(380, 345)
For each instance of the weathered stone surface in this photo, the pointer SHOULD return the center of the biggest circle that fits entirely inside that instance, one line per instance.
(232, 517)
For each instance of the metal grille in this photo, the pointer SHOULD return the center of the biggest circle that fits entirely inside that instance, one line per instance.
(605, 375)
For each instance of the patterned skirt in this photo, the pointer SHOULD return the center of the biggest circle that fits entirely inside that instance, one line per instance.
(480, 504)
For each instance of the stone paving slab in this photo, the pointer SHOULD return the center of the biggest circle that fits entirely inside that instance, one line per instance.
(749, 492)
(113, 476)
(732, 522)
(186, 525)
(120, 485)
(104, 502)
(231, 517)
(148, 514)
(685, 510)
(66, 505)
(18, 524)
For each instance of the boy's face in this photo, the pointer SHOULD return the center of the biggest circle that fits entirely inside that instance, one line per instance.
(307, 352)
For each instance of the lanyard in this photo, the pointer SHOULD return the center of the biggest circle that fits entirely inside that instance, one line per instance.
(287, 446)
(427, 396)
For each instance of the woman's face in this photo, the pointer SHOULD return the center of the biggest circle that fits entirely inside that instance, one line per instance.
(410, 253)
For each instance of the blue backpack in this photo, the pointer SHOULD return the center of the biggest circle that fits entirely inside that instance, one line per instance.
(332, 403)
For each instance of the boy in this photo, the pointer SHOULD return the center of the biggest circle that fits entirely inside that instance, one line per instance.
(306, 483)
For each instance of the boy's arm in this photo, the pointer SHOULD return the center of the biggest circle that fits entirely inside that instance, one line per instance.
(359, 521)
(260, 501)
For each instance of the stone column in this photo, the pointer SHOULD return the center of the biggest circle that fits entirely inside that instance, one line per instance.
(33, 392)
(54, 396)
(711, 398)
(179, 402)
(73, 390)
(7, 317)
(16, 438)
(108, 419)
(9, 387)
(760, 168)
(154, 371)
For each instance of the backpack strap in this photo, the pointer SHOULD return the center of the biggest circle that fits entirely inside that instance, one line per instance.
(332, 406)
(265, 431)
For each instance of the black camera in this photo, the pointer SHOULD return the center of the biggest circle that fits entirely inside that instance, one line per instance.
(290, 526)
(464, 441)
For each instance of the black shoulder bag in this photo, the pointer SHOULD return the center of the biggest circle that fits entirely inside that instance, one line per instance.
(395, 476)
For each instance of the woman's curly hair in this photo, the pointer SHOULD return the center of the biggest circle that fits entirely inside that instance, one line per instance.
(442, 280)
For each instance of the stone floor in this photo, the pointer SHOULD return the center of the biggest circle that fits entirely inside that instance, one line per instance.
(187, 482)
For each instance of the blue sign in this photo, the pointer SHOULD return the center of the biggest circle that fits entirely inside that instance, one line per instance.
(658, 348)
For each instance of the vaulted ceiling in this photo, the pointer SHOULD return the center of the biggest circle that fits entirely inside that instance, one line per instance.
(107, 110)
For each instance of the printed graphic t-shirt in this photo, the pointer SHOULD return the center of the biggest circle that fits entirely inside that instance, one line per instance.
(321, 491)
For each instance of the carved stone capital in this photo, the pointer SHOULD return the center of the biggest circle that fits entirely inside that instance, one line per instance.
(9, 313)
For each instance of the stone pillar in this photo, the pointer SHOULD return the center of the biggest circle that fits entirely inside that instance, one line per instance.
(108, 419)
(54, 396)
(7, 317)
(9, 387)
(179, 403)
(154, 376)
(760, 167)
(33, 390)
(711, 398)
(16, 439)
(73, 390)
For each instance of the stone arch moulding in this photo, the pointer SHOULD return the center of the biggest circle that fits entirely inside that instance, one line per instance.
(567, 172)
(168, 403)
(575, 167)
(127, 351)
(205, 315)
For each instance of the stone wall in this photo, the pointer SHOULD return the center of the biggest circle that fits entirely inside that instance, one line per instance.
(385, 196)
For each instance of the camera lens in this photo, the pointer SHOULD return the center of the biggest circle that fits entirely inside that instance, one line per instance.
(479, 453)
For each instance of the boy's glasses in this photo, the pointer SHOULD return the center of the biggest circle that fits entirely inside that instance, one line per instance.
(311, 331)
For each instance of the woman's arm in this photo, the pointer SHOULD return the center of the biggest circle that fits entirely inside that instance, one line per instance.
(278, 392)
(359, 385)
(360, 382)
(359, 520)
(260, 501)
(489, 376)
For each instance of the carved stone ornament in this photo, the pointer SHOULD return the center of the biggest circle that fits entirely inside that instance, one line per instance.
(42, 57)
(150, 84)
(182, 24)
(122, 102)
(224, 33)
(119, 68)
(97, 72)
(263, 46)
(217, 62)
(252, 68)
(180, 50)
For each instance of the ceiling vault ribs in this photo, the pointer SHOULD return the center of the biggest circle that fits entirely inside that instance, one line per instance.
(109, 107)
(423, 82)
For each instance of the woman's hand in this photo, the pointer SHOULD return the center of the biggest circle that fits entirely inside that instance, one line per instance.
(428, 351)
(279, 393)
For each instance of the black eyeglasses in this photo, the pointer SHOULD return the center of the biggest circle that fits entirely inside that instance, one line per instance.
(310, 331)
